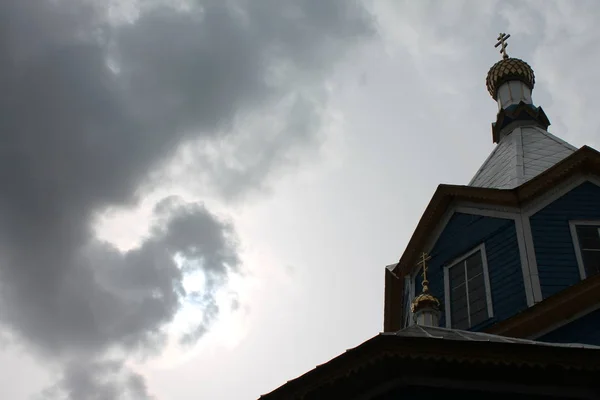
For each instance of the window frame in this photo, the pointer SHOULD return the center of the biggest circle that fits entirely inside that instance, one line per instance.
(486, 282)
(575, 239)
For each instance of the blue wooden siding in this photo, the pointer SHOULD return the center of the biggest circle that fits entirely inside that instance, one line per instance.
(554, 250)
(465, 232)
(583, 330)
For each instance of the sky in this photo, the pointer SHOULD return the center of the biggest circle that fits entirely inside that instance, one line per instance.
(199, 197)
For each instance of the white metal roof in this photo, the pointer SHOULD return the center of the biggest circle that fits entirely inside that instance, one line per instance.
(391, 266)
(456, 334)
(520, 156)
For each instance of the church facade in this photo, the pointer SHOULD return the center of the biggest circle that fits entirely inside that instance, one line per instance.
(498, 290)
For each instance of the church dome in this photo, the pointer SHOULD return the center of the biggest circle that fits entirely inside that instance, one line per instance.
(425, 301)
(509, 69)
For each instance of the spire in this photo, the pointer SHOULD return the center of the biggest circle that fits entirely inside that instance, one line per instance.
(425, 307)
(524, 147)
(510, 80)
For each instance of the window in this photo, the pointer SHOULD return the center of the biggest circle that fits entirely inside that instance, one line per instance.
(587, 244)
(468, 300)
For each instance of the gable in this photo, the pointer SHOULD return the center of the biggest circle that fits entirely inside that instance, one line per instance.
(585, 161)
(552, 238)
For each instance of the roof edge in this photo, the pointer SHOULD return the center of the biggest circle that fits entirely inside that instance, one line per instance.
(401, 348)
(543, 315)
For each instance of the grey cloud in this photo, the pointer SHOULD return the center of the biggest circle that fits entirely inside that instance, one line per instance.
(89, 109)
(268, 58)
(101, 380)
(104, 298)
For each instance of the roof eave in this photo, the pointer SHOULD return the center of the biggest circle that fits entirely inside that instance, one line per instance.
(409, 349)
(559, 307)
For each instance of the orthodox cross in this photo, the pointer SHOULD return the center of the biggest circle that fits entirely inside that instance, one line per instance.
(502, 38)
(423, 258)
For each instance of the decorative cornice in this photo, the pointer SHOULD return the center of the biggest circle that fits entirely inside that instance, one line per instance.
(518, 115)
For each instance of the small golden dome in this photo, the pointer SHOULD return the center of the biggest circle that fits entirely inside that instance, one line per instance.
(506, 70)
(425, 300)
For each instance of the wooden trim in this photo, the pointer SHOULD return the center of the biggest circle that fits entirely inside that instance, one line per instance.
(564, 322)
(437, 231)
(393, 302)
(577, 249)
(556, 193)
(532, 269)
(558, 307)
(492, 212)
(486, 281)
(524, 257)
(406, 312)
(447, 308)
(575, 239)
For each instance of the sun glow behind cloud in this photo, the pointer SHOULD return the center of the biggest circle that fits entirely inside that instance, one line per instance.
(126, 229)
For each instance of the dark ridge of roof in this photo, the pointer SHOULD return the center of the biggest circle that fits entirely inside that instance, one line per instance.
(384, 345)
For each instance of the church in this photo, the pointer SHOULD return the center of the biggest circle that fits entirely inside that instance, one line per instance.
(498, 291)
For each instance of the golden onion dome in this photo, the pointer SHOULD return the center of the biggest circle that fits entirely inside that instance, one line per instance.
(423, 301)
(509, 69)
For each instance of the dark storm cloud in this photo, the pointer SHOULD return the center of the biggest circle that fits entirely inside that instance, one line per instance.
(98, 381)
(87, 110)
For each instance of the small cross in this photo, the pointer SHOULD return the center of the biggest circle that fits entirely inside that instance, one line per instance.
(424, 257)
(502, 41)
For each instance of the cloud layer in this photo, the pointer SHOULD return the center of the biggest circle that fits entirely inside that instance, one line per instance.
(90, 107)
